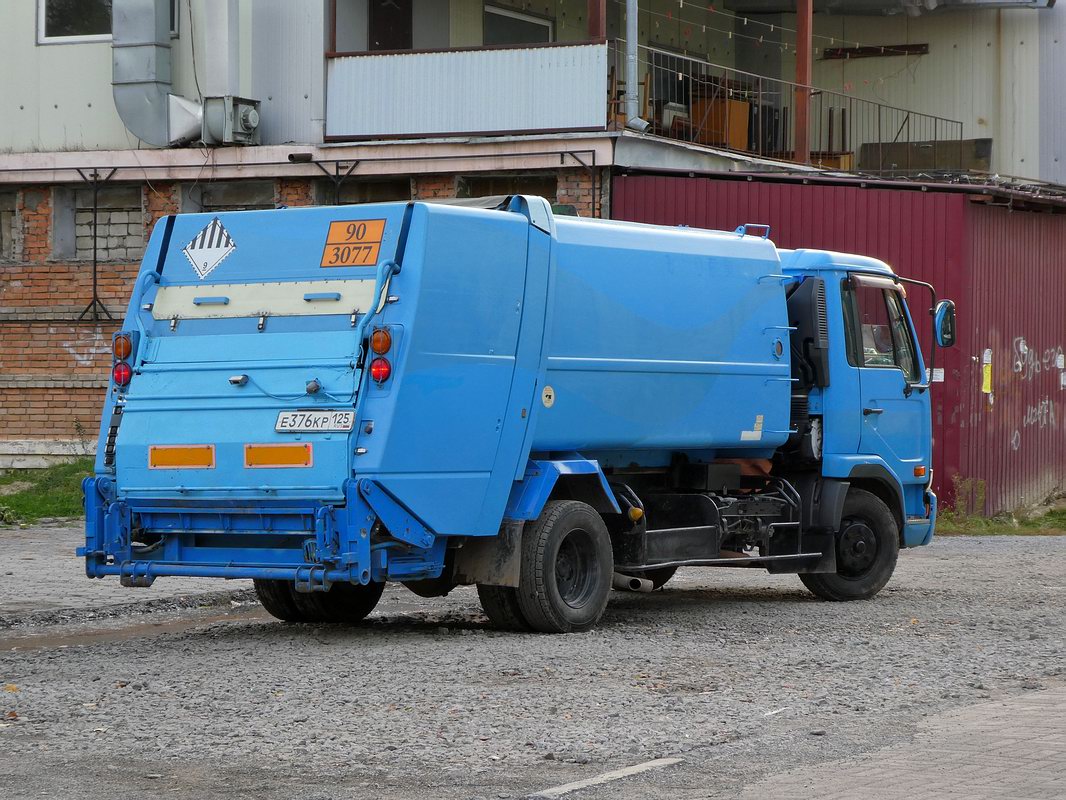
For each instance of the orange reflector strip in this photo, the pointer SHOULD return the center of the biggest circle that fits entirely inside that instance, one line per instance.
(181, 456)
(277, 455)
(919, 472)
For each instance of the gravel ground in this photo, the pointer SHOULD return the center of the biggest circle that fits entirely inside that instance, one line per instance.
(740, 674)
(35, 560)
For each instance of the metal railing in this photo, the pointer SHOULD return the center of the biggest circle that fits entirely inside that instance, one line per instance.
(689, 99)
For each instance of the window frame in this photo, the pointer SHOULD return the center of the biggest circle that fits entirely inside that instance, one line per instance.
(853, 330)
(524, 17)
(42, 39)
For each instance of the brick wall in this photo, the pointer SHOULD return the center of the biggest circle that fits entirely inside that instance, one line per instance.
(296, 192)
(160, 199)
(577, 187)
(35, 210)
(53, 370)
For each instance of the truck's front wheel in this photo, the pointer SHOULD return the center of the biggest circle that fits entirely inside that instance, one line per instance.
(567, 564)
(867, 548)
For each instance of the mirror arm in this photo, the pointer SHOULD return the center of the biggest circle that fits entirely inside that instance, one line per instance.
(932, 317)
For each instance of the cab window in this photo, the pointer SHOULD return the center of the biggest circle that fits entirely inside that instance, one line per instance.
(878, 334)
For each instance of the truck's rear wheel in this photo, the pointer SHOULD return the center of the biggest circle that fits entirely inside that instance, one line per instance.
(277, 599)
(501, 607)
(567, 564)
(867, 548)
(344, 602)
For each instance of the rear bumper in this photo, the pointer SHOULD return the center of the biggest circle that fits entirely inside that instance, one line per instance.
(311, 543)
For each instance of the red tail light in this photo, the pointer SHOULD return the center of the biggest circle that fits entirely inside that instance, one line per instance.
(121, 373)
(380, 370)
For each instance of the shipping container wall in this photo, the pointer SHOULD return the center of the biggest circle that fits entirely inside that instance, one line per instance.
(1003, 269)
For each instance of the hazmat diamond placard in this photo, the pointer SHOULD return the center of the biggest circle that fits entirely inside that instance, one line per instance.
(209, 248)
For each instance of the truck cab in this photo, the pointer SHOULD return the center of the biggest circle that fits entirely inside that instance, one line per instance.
(328, 399)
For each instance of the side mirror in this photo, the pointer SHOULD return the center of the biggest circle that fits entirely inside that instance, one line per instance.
(944, 323)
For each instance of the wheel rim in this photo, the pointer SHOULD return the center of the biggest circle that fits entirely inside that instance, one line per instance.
(856, 549)
(576, 568)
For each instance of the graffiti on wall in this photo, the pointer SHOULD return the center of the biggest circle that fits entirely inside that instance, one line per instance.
(1028, 363)
(1031, 361)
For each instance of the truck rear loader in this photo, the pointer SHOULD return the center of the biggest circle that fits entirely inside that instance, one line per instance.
(327, 399)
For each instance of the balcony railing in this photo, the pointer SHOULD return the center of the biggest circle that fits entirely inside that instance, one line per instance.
(581, 86)
(692, 100)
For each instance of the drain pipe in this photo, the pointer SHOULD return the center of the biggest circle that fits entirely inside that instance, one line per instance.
(141, 82)
(632, 68)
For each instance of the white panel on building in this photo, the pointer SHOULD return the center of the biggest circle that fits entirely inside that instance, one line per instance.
(476, 91)
(289, 43)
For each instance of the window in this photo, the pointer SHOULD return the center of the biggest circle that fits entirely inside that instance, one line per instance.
(501, 185)
(506, 27)
(878, 332)
(8, 221)
(228, 196)
(71, 21)
(383, 190)
(119, 224)
(390, 25)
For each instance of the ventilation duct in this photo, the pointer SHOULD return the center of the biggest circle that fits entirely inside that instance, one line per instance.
(140, 54)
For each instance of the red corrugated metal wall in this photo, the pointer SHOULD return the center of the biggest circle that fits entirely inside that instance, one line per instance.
(1017, 280)
(1002, 268)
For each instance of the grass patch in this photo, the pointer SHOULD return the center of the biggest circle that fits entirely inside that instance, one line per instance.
(966, 519)
(51, 492)
(1051, 524)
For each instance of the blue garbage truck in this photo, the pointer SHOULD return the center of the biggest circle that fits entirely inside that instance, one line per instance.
(327, 399)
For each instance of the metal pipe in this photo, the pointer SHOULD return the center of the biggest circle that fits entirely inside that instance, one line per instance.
(141, 75)
(632, 32)
(630, 583)
(804, 23)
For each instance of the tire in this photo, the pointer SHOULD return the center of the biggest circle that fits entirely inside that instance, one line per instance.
(567, 564)
(658, 577)
(350, 602)
(867, 549)
(500, 604)
(277, 599)
(344, 602)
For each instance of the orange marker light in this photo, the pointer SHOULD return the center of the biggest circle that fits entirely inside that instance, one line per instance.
(380, 341)
(122, 346)
(919, 472)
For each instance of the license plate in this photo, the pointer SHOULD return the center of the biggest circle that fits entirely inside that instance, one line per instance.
(314, 421)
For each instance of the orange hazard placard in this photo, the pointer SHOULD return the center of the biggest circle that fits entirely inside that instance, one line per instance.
(353, 243)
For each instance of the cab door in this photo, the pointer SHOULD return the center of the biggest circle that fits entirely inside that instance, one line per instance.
(892, 391)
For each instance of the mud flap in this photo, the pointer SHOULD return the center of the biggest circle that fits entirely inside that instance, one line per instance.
(493, 560)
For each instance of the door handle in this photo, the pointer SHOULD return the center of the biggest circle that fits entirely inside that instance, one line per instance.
(310, 297)
(868, 411)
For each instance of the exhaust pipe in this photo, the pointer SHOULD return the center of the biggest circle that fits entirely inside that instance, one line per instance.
(628, 583)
